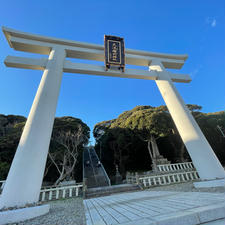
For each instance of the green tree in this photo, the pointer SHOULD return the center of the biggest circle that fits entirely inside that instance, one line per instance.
(123, 139)
(10, 131)
(143, 122)
(68, 138)
(11, 127)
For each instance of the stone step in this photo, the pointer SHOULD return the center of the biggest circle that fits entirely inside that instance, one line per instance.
(104, 191)
(94, 172)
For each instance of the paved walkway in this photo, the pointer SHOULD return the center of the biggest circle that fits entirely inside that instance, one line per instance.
(155, 207)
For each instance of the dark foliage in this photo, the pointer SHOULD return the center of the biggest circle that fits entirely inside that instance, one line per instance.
(123, 141)
(11, 127)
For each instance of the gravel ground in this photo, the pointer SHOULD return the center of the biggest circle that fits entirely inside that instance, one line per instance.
(62, 212)
(71, 211)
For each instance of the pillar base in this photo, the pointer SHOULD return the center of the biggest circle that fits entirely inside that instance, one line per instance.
(210, 183)
(18, 215)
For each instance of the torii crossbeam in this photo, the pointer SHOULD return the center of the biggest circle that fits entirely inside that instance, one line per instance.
(26, 173)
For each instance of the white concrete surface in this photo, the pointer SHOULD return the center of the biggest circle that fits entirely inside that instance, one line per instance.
(216, 222)
(23, 41)
(201, 153)
(24, 180)
(210, 183)
(156, 208)
(18, 215)
(84, 68)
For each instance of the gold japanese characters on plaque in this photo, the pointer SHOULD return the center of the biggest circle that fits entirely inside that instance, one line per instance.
(114, 52)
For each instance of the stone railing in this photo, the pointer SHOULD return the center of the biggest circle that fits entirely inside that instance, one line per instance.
(132, 178)
(175, 166)
(166, 179)
(162, 169)
(2, 183)
(49, 194)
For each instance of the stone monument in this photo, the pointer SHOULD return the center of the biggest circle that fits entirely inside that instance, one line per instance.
(157, 159)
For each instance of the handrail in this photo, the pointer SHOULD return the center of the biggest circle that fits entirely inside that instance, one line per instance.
(106, 175)
(91, 162)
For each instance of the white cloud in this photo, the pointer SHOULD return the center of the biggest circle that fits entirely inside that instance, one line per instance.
(213, 24)
(195, 71)
(211, 21)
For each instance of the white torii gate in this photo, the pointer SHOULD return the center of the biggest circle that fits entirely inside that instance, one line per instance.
(26, 173)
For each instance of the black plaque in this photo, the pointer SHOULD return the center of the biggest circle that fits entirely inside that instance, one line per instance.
(114, 52)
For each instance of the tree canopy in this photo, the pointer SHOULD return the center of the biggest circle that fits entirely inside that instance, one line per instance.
(122, 140)
(10, 131)
(65, 153)
(11, 127)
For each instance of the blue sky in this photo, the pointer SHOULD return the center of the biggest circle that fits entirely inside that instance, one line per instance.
(196, 28)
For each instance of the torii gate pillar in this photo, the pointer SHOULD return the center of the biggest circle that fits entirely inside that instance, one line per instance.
(201, 153)
(26, 173)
